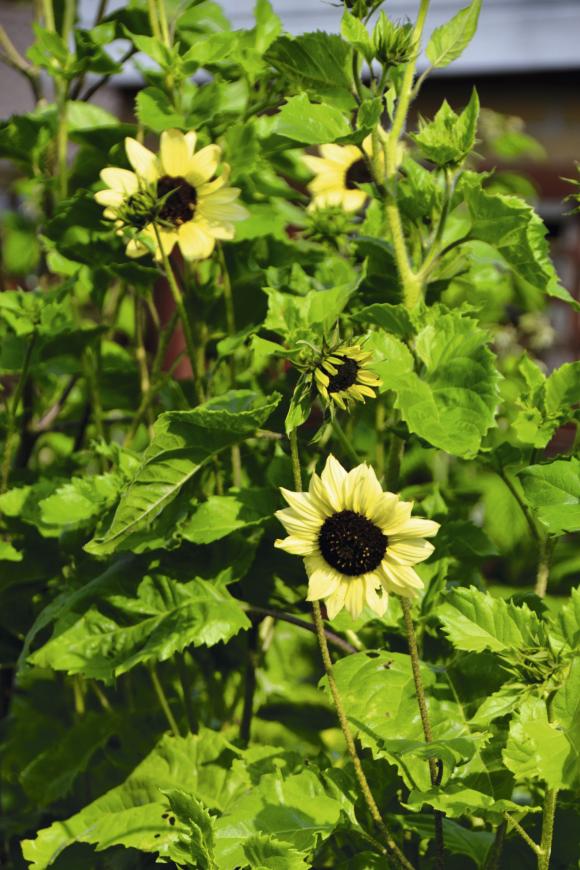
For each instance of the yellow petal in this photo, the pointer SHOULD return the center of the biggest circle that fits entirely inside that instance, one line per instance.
(353, 200)
(143, 161)
(398, 519)
(191, 140)
(400, 579)
(354, 600)
(295, 524)
(136, 249)
(302, 503)
(203, 165)
(175, 153)
(408, 551)
(195, 241)
(378, 601)
(323, 580)
(112, 198)
(415, 527)
(362, 490)
(345, 155)
(332, 478)
(121, 180)
(335, 602)
(293, 545)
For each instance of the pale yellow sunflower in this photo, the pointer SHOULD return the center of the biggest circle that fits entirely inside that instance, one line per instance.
(341, 376)
(337, 173)
(194, 208)
(358, 542)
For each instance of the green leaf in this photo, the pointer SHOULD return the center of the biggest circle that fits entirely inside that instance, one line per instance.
(569, 620)
(475, 621)
(310, 123)
(156, 112)
(267, 853)
(355, 32)
(518, 234)
(318, 64)
(182, 443)
(450, 400)
(9, 553)
(289, 314)
(295, 810)
(165, 617)
(458, 800)
(553, 493)
(378, 693)
(134, 814)
(393, 318)
(300, 404)
(221, 515)
(448, 138)
(536, 749)
(78, 503)
(562, 389)
(53, 772)
(450, 40)
(459, 840)
(195, 848)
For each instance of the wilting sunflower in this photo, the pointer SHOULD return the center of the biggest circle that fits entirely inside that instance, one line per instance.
(337, 172)
(175, 191)
(358, 542)
(341, 377)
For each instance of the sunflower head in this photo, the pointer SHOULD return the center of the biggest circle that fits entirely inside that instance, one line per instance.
(358, 542)
(172, 198)
(342, 378)
(338, 172)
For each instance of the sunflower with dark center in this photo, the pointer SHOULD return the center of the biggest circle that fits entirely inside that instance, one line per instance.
(187, 206)
(341, 377)
(338, 172)
(358, 542)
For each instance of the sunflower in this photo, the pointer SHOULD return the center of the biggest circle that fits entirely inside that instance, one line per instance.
(337, 173)
(358, 542)
(341, 377)
(184, 202)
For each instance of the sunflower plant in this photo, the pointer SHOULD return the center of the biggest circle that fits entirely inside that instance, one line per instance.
(289, 496)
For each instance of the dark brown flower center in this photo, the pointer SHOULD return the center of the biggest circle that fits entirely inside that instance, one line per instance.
(357, 173)
(179, 207)
(345, 376)
(351, 543)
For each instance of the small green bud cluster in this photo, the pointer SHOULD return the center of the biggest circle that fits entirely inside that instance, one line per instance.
(330, 224)
(393, 43)
(362, 8)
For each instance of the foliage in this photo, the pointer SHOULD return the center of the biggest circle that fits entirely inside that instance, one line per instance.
(162, 692)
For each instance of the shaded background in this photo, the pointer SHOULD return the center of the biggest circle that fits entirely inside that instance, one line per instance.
(524, 61)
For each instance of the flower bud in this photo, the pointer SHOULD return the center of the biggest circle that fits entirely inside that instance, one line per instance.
(393, 43)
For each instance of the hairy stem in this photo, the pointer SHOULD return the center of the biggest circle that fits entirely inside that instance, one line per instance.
(163, 702)
(412, 285)
(392, 846)
(180, 305)
(523, 833)
(434, 766)
(549, 815)
(544, 564)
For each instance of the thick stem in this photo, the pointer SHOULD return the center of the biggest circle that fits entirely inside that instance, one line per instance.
(411, 283)
(163, 702)
(62, 140)
(434, 767)
(249, 686)
(550, 802)
(180, 305)
(544, 564)
(392, 847)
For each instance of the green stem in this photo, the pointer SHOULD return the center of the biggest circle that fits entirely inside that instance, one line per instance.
(92, 378)
(48, 15)
(163, 702)
(394, 456)
(163, 25)
(153, 19)
(434, 249)
(231, 328)
(523, 834)
(180, 305)
(411, 283)
(183, 673)
(549, 816)
(392, 847)
(434, 767)
(12, 412)
(380, 433)
(544, 564)
(345, 443)
(62, 139)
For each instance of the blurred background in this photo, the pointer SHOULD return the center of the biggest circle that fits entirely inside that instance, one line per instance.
(524, 61)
